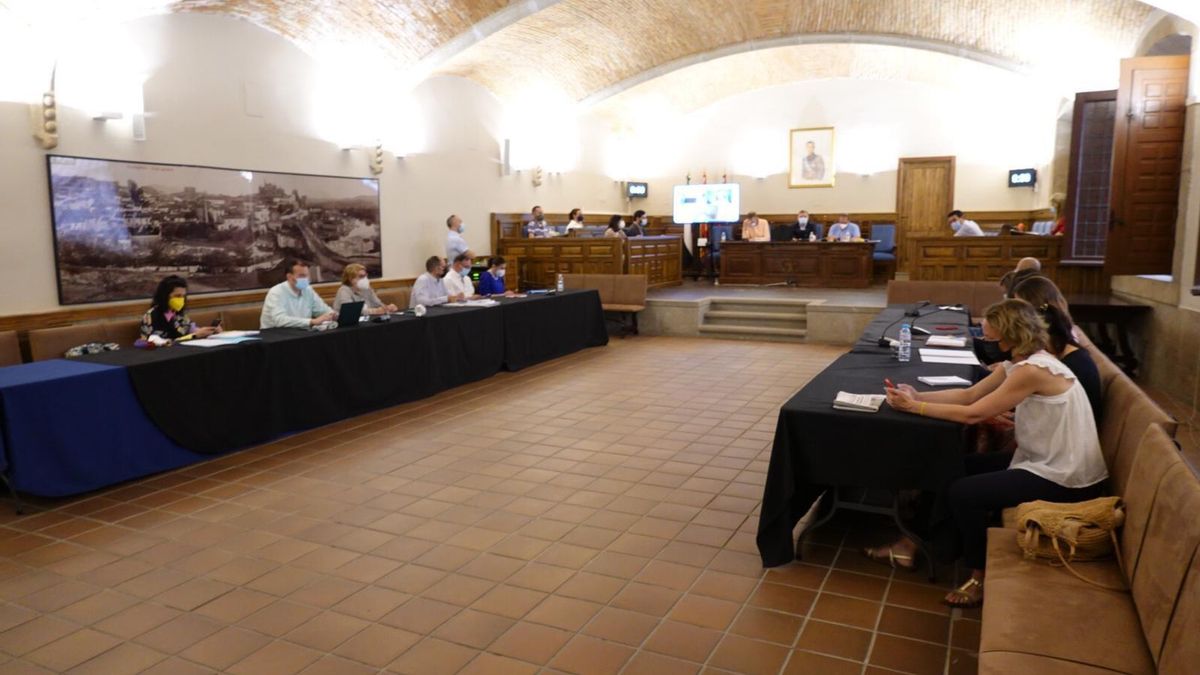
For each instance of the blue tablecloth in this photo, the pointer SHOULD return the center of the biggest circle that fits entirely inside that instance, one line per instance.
(70, 427)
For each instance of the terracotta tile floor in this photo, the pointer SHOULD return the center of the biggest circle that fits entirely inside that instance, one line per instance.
(591, 515)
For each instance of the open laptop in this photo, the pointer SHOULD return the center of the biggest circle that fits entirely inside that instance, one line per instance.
(349, 313)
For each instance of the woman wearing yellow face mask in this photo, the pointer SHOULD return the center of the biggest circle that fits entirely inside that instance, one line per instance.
(167, 317)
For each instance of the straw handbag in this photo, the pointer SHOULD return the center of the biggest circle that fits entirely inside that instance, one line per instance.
(1064, 533)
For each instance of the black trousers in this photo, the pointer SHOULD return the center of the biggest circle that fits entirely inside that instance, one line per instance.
(989, 487)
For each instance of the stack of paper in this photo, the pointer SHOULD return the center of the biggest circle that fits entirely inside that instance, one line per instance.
(944, 380)
(957, 357)
(858, 402)
(946, 341)
(235, 334)
(483, 302)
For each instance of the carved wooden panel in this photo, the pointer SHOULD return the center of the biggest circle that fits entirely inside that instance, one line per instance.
(819, 264)
(978, 258)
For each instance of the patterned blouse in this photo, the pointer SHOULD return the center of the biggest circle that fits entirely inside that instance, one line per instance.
(168, 325)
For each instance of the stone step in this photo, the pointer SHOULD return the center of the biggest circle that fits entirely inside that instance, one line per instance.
(780, 306)
(754, 332)
(726, 316)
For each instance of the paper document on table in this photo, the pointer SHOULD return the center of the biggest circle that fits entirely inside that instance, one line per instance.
(858, 402)
(485, 302)
(946, 341)
(944, 381)
(208, 342)
(960, 357)
(234, 334)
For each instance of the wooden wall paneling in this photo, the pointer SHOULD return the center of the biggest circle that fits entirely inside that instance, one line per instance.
(938, 258)
(828, 265)
(135, 308)
(659, 258)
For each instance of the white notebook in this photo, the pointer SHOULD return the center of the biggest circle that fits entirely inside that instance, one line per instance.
(945, 341)
(959, 357)
(858, 402)
(944, 381)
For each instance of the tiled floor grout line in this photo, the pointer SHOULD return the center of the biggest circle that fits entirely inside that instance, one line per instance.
(816, 597)
(878, 620)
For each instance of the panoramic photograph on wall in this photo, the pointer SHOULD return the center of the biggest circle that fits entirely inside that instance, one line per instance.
(119, 226)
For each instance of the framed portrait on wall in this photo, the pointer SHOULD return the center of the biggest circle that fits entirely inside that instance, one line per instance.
(811, 162)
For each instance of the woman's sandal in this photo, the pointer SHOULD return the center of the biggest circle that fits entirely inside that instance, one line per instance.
(889, 556)
(967, 596)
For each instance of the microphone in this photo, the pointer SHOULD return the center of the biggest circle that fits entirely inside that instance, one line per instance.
(915, 311)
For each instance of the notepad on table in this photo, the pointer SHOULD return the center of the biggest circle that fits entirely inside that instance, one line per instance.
(944, 381)
(234, 334)
(946, 341)
(959, 357)
(858, 402)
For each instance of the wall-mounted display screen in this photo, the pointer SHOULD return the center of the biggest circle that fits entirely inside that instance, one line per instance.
(718, 203)
(120, 227)
(1022, 178)
(637, 190)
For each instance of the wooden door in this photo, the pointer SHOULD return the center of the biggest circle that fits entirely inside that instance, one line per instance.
(924, 195)
(1147, 157)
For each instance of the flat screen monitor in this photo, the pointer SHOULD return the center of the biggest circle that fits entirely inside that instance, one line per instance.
(717, 203)
(637, 190)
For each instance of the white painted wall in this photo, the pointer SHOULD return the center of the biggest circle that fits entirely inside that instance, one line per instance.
(876, 123)
(199, 68)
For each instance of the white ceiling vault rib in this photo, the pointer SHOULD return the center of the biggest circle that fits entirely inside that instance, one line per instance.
(808, 39)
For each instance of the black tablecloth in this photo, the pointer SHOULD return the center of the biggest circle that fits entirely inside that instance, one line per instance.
(215, 399)
(537, 329)
(817, 446)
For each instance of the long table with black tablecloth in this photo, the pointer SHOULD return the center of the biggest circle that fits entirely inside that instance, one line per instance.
(817, 446)
(73, 426)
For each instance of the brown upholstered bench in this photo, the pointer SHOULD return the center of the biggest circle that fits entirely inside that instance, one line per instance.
(1041, 619)
(623, 294)
(975, 295)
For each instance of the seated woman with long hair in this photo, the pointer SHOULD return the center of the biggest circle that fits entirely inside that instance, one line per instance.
(1064, 338)
(167, 317)
(1057, 457)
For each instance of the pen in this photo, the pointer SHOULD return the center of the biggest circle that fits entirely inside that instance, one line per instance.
(888, 383)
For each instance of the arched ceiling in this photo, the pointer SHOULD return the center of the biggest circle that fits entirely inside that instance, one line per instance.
(588, 50)
(689, 88)
(586, 47)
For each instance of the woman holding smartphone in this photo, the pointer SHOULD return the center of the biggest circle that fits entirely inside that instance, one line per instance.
(167, 317)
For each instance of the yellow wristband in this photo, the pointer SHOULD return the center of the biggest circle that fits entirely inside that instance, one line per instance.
(922, 413)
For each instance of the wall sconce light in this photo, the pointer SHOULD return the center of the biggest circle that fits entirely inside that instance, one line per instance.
(44, 117)
(374, 156)
(536, 174)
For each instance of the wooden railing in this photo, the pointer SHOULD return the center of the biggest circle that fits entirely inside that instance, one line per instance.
(977, 258)
(542, 260)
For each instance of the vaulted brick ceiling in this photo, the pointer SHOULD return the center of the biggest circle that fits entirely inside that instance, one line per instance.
(590, 49)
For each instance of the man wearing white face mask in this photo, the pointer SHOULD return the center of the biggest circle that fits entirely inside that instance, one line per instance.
(356, 287)
(805, 229)
(455, 244)
(293, 303)
(458, 279)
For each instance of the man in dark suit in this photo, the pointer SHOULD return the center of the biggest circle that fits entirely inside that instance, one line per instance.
(804, 227)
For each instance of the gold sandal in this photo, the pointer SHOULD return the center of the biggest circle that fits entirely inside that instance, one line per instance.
(897, 561)
(967, 596)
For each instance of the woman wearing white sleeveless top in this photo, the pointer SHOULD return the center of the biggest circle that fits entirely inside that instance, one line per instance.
(1058, 456)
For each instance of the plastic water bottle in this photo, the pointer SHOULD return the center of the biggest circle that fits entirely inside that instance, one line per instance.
(905, 353)
(559, 285)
